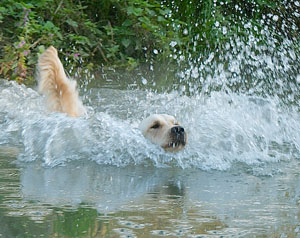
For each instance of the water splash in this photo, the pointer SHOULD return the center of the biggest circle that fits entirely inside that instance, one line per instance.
(240, 105)
(224, 129)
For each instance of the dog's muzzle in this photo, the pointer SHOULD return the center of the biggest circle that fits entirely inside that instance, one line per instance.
(178, 136)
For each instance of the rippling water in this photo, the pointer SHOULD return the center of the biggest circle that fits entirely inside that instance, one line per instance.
(224, 129)
(97, 176)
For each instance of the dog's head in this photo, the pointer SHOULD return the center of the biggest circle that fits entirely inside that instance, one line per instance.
(163, 130)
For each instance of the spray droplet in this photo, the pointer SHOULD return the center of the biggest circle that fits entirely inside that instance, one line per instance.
(275, 18)
(173, 43)
(298, 78)
(144, 81)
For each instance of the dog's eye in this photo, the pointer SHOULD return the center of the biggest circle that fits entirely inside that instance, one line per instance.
(155, 126)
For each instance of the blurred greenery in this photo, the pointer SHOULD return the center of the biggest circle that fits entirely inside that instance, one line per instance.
(76, 223)
(126, 33)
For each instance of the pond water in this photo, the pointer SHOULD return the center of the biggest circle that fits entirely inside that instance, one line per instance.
(97, 176)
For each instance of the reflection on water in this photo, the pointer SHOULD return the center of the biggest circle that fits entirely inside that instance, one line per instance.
(86, 200)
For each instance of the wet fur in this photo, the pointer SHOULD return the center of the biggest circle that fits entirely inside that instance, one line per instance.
(62, 96)
(60, 91)
(162, 135)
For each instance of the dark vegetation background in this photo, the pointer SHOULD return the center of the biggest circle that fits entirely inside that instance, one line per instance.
(127, 33)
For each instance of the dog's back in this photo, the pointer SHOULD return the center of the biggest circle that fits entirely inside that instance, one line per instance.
(60, 91)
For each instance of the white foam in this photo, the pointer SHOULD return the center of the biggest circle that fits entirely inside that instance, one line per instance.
(223, 129)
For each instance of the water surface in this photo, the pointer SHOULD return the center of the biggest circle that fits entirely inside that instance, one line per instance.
(97, 176)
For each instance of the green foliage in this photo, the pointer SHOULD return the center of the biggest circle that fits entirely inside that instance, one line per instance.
(213, 23)
(108, 32)
(123, 33)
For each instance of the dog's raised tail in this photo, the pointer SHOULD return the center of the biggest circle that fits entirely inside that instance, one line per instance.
(60, 91)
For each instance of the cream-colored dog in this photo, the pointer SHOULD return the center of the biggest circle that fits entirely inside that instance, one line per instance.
(62, 96)
(164, 130)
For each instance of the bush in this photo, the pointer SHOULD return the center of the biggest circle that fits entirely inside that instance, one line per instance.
(87, 33)
(124, 33)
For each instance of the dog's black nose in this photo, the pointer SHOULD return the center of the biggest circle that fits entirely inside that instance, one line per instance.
(178, 135)
(177, 130)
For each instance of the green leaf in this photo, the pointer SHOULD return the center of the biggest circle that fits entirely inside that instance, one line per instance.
(135, 11)
(49, 25)
(161, 19)
(59, 35)
(126, 42)
(150, 12)
(72, 23)
(41, 49)
(127, 22)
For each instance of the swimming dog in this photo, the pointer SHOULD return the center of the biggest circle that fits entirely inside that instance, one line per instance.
(62, 96)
